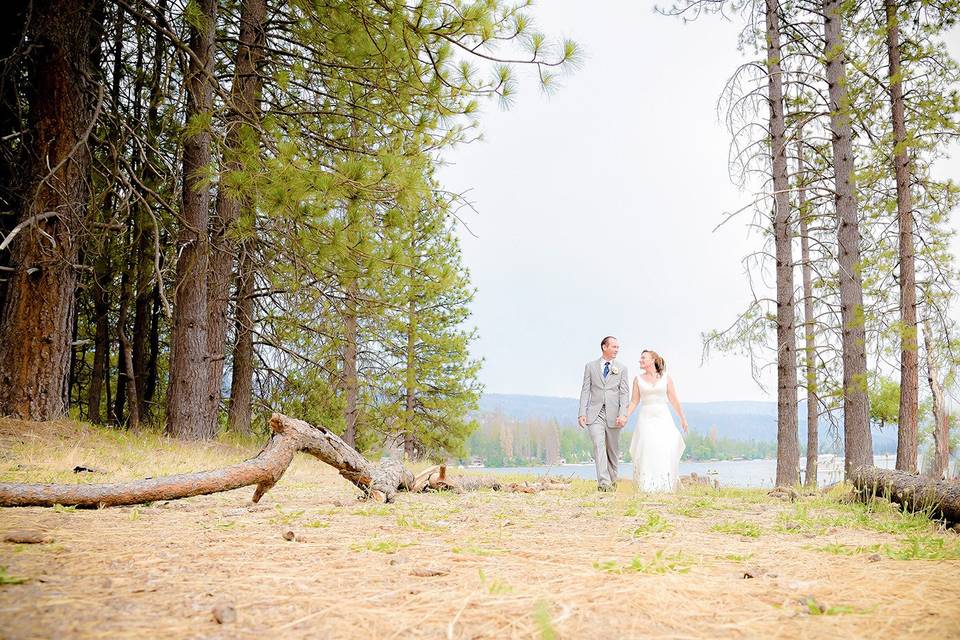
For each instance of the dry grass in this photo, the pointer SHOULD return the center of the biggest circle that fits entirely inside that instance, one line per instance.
(571, 564)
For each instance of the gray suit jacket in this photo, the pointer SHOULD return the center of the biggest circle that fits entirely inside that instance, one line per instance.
(612, 392)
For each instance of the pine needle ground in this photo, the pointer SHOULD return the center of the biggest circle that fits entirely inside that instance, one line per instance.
(556, 564)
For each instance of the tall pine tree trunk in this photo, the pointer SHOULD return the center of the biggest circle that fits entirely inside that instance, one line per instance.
(35, 328)
(11, 36)
(123, 377)
(909, 374)
(125, 369)
(788, 449)
(245, 111)
(858, 444)
(350, 383)
(941, 421)
(145, 241)
(241, 384)
(409, 440)
(188, 399)
(144, 274)
(810, 345)
(153, 372)
(101, 342)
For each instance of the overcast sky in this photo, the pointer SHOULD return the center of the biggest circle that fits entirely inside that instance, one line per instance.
(597, 207)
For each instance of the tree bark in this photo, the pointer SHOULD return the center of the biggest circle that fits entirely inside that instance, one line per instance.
(810, 344)
(123, 376)
(188, 397)
(144, 230)
(11, 51)
(909, 369)
(147, 243)
(858, 444)
(153, 370)
(242, 122)
(350, 383)
(379, 482)
(940, 497)
(241, 384)
(409, 440)
(101, 349)
(941, 421)
(788, 448)
(125, 369)
(140, 345)
(35, 328)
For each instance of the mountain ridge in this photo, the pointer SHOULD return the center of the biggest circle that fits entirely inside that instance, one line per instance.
(733, 419)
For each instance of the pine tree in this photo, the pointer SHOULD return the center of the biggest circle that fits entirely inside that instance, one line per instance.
(433, 377)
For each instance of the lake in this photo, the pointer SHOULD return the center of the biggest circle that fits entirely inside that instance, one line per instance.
(730, 473)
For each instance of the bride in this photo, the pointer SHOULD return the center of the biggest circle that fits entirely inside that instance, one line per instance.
(656, 446)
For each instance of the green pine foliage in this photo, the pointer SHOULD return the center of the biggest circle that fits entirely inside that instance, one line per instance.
(432, 379)
(349, 237)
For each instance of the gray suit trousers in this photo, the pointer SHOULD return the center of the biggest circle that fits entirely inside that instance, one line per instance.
(606, 449)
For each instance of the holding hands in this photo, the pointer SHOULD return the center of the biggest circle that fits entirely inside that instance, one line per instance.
(621, 420)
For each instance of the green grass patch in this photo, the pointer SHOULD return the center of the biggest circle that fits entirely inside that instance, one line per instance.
(659, 564)
(286, 517)
(839, 549)
(650, 522)
(815, 608)
(380, 546)
(751, 496)
(373, 510)
(738, 527)
(914, 547)
(697, 507)
(6, 578)
(875, 516)
(473, 550)
(919, 547)
(802, 521)
(494, 586)
(410, 522)
(541, 617)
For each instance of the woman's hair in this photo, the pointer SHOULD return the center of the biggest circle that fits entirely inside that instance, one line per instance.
(658, 363)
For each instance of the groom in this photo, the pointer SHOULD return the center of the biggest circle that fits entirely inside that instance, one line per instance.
(603, 409)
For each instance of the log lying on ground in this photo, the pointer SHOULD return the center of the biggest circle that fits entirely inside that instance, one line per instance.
(436, 479)
(941, 498)
(380, 482)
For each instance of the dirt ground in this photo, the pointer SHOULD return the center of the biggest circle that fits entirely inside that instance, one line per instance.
(556, 564)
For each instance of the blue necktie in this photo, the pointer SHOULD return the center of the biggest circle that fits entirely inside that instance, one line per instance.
(606, 369)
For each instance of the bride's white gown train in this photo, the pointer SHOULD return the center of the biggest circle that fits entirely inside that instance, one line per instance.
(657, 445)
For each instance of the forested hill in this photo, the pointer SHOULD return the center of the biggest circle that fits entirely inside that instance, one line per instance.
(736, 420)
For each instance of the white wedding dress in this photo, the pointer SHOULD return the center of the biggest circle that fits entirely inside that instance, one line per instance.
(657, 445)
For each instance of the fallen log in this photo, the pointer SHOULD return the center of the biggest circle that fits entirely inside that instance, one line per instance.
(940, 498)
(435, 479)
(379, 482)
